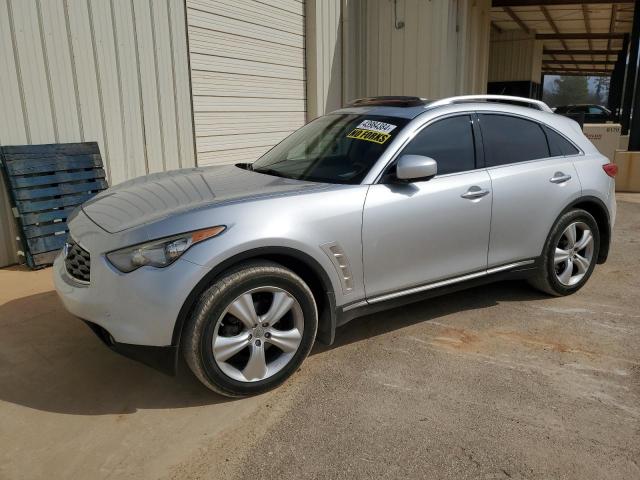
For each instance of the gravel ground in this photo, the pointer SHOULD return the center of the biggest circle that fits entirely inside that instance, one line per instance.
(494, 382)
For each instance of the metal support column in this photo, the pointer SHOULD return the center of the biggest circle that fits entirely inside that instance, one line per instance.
(632, 69)
(616, 84)
(634, 131)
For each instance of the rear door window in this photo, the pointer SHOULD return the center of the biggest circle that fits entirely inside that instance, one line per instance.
(508, 139)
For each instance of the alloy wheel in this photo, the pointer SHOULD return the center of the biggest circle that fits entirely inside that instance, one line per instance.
(258, 334)
(574, 253)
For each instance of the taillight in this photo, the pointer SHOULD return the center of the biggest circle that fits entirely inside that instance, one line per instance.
(610, 169)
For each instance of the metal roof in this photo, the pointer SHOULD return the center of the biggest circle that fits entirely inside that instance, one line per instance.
(579, 37)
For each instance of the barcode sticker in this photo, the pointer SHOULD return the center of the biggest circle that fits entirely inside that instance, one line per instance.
(376, 126)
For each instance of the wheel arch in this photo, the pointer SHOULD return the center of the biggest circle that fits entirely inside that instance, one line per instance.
(598, 210)
(305, 266)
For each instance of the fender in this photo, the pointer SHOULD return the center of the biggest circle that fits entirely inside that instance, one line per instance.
(602, 218)
(326, 318)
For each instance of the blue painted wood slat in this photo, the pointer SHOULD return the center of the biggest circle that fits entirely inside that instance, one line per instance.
(44, 259)
(30, 164)
(61, 177)
(28, 206)
(33, 231)
(52, 149)
(46, 244)
(48, 216)
(61, 189)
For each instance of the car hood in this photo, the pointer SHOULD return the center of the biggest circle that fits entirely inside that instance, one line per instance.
(153, 197)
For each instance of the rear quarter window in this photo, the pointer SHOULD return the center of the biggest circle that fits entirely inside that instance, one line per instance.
(558, 145)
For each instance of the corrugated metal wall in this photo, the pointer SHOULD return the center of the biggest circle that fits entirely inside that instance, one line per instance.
(515, 56)
(248, 75)
(324, 56)
(441, 50)
(111, 71)
(474, 25)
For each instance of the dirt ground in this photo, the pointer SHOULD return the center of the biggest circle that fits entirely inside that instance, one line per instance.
(495, 382)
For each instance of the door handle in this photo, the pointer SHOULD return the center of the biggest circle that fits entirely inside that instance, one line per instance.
(474, 193)
(560, 177)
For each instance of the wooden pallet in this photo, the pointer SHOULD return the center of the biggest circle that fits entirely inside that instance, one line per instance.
(46, 183)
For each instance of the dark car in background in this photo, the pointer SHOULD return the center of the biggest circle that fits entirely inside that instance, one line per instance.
(587, 113)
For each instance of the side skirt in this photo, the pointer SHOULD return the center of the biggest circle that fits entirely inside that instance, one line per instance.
(519, 270)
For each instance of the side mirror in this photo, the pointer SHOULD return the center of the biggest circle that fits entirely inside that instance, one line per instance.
(416, 167)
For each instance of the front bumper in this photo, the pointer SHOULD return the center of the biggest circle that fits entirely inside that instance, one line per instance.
(164, 359)
(134, 314)
(138, 308)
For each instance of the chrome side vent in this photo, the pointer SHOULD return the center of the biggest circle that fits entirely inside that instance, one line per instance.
(341, 263)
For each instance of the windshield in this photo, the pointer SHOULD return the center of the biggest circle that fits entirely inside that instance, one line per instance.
(336, 148)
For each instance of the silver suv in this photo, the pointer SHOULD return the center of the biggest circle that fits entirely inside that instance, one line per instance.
(388, 201)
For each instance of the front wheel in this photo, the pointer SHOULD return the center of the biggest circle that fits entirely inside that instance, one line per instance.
(569, 255)
(251, 329)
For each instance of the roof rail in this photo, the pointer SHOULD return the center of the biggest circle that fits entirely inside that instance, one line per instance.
(537, 104)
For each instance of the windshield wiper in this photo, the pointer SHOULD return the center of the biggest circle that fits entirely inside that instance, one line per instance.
(245, 166)
(270, 171)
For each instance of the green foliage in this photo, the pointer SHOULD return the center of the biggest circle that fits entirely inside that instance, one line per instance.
(567, 90)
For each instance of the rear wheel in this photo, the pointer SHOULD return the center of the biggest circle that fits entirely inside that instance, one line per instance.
(251, 329)
(569, 255)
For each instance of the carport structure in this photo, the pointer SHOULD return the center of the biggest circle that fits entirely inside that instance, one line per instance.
(582, 37)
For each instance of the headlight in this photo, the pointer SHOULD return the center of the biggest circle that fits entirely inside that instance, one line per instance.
(159, 253)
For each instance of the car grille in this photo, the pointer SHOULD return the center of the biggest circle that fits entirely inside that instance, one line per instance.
(77, 261)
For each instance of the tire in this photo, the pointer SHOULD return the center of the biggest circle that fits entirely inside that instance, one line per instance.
(561, 276)
(250, 355)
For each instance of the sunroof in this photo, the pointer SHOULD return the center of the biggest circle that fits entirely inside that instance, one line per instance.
(389, 101)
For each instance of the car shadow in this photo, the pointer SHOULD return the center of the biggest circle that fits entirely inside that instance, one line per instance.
(51, 361)
(480, 297)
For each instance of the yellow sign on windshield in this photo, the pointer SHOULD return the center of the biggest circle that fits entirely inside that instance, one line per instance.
(369, 135)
